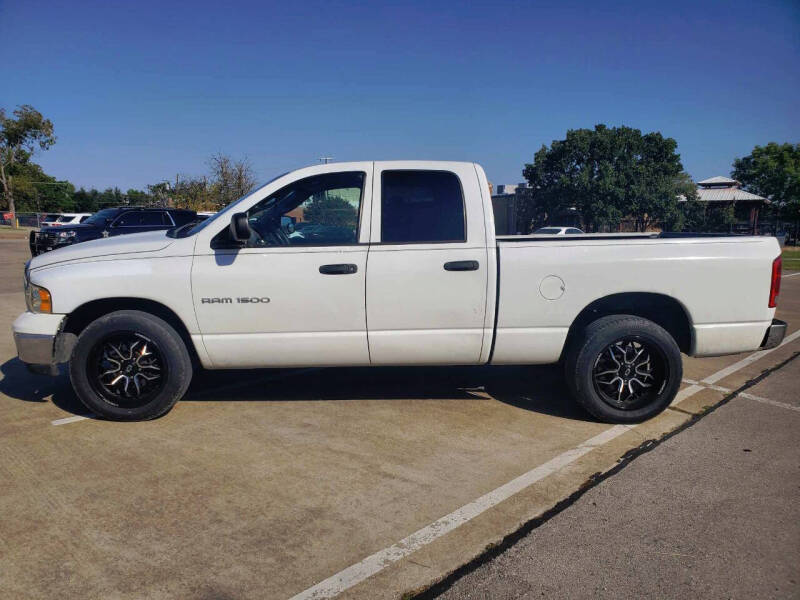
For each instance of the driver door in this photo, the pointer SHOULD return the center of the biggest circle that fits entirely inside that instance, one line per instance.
(294, 293)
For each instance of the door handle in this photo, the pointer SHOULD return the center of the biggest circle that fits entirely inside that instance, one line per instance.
(343, 269)
(461, 265)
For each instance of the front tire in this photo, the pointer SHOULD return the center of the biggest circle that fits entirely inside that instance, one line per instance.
(130, 366)
(624, 369)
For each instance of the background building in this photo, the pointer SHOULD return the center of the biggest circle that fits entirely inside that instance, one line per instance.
(720, 192)
(505, 205)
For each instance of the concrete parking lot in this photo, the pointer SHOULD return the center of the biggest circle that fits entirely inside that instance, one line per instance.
(377, 483)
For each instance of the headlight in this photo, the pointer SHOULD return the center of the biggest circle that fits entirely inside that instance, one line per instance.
(38, 299)
(66, 235)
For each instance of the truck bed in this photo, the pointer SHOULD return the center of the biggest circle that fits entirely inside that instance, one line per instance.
(546, 280)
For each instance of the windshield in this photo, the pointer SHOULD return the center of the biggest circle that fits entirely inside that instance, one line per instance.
(65, 218)
(100, 217)
(187, 231)
(547, 230)
(50, 218)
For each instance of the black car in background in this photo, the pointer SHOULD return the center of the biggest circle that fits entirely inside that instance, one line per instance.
(107, 223)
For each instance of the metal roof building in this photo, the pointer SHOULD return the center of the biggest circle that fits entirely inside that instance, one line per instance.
(721, 190)
(724, 189)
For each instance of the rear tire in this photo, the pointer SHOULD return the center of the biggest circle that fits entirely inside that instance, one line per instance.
(624, 369)
(130, 366)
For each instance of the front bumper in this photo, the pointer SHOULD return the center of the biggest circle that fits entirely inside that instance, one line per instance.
(40, 341)
(775, 333)
(40, 243)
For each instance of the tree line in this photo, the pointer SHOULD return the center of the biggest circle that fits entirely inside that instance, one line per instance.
(25, 187)
(611, 175)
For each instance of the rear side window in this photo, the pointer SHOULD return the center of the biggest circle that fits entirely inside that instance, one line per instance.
(422, 206)
(154, 219)
(142, 218)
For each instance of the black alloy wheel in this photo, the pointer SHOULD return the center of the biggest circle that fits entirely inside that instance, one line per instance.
(127, 369)
(629, 373)
(129, 365)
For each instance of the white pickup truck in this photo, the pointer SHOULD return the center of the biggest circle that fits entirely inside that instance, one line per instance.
(391, 263)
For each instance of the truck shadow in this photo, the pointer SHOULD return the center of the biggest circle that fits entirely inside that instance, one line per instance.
(539, 389)
(536, 388)
(18, 382)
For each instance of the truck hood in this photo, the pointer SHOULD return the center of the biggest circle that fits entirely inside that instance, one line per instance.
(135, 243)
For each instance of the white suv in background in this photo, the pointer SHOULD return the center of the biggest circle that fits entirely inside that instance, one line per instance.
(557, 231)
(69, 219)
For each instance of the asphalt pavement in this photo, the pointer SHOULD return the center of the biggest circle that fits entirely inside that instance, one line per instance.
(713, 511)
(378, 483)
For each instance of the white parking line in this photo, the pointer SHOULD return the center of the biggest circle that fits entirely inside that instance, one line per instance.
(355, 574)
(66, 420)
(770, 402)
(790, 275)
(723, 373)
(380, 560)
(724, 390)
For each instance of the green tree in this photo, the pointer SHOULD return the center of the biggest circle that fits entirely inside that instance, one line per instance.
(138, 198)
(607, 174)
(773, 171)
(193, 193)
(325, 209)
(20, 136)
(36, 191)
(84, 201)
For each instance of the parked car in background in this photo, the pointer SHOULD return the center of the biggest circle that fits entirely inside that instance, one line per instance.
(109, 222)
(70, 219)
(405, 270)
(557, 231)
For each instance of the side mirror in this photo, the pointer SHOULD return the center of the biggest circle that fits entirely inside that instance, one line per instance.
(240, 228)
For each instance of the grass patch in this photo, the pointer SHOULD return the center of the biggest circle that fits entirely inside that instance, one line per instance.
(791, 258)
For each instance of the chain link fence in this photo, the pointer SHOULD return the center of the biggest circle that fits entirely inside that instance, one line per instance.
(24, 219)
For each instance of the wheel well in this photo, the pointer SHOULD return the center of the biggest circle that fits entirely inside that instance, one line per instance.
(662, 310)
(82, 316)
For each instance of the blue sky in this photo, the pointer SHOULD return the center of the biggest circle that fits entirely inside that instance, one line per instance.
(140, 91)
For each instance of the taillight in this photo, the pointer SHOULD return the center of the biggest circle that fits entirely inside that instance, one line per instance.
(775, 285)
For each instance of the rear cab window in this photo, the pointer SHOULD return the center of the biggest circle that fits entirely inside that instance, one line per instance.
(420, 206)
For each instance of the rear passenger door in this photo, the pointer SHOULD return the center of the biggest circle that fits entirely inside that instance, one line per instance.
(427, 265)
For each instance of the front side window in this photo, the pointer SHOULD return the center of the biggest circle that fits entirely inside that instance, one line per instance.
(422, 206)
(323, 210)
(128, 219)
